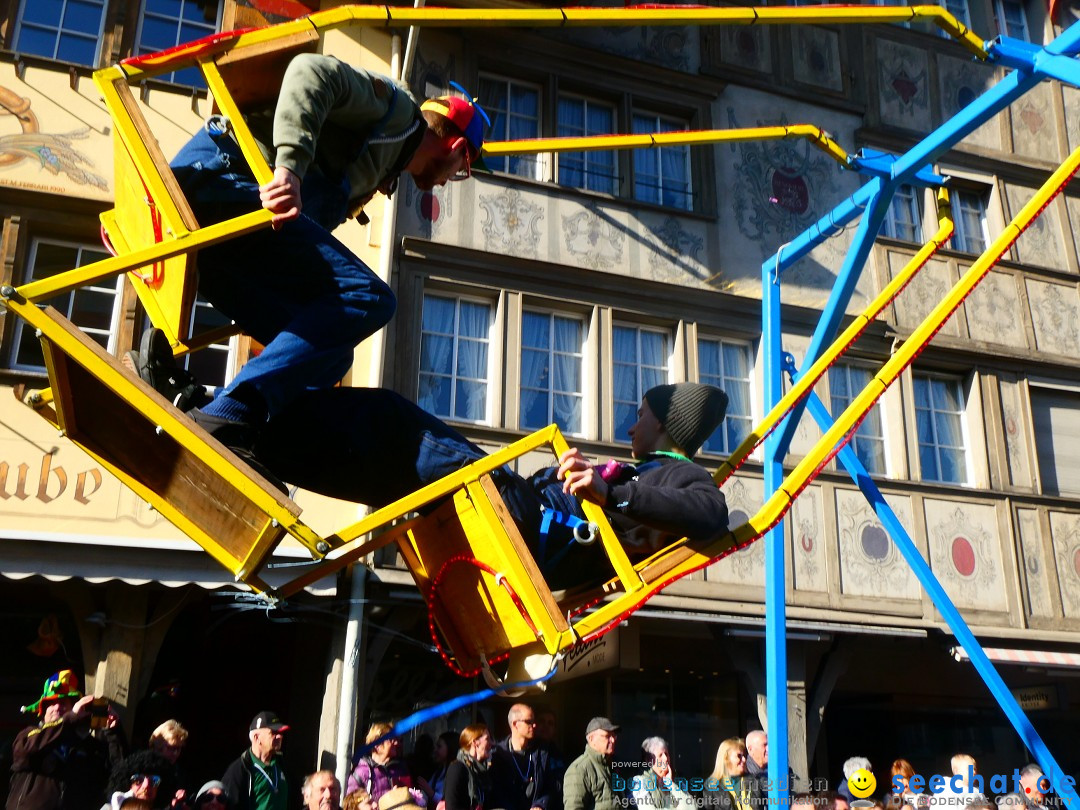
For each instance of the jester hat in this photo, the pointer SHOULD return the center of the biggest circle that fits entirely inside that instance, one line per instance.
(59, 685)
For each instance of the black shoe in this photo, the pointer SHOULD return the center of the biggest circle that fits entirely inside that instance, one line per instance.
(155, 363)
(240, 438)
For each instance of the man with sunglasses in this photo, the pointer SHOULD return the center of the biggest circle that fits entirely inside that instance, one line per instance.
(141, 775)
(212, 796)
(522, 769)
(337, 135)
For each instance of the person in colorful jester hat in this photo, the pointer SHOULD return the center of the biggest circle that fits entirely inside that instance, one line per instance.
(61, 763)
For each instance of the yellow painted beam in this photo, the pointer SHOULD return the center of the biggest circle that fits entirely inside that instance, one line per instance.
(811, 375)
(817, 136)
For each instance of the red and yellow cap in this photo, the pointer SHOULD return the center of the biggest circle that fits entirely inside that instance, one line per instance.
(465, 114)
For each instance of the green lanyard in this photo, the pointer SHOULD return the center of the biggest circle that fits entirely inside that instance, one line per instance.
(678, 456)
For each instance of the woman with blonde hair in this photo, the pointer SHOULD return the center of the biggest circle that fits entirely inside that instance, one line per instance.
(382, 769)
(468, 779)
(727, 787)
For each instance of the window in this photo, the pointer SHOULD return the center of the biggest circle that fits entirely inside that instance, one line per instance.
(1056, 414)
(95, 308)
(640, 361)
(726, 364)
(595, 171)
(514, 109)
(61, 29)
(211, 364)
(454, 351)
(959, 9)
(551, 370)
(1011, 19)
(662, 176)
(167, 23)
(847, 381)
(903, 220)
(939, 414)
(969, 214)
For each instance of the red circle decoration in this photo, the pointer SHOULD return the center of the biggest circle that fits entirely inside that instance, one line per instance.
(807, 543)
(429, 207)
(1076, 561)
(963, 556)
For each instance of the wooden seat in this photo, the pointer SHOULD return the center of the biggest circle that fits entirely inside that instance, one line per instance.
(185, 474)
(483, 588)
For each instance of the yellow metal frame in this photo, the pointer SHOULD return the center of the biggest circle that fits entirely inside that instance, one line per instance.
(148, 196)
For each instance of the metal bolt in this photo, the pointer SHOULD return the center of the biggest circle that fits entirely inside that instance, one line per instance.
(158, 429)
(7, 291)
(35, 398)
(322, 547)
(274, 524)
(37, 333)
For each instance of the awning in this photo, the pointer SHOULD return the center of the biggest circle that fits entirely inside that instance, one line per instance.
(167, 563)
(1031, 658)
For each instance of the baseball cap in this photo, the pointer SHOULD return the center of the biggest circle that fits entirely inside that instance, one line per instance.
(267, 720)
(600, 724)
(466, 115)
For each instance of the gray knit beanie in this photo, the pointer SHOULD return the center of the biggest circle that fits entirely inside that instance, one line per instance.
(689, 412)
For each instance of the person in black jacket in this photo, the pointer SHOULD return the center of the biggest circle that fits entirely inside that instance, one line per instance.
(60, 763)
(372, 446)
(256, 780)
(522, 770)
(468, 778)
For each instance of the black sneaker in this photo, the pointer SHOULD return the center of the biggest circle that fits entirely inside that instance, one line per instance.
(155, 363)
(240, 438)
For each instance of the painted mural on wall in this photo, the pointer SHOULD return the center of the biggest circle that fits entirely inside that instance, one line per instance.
(903, 85)
(674, 47)
(40, 160)
(1066, 531)
(815, 56)
(870, 563)
(994, 313)
(1035, 576)
(807, 527)
(746, 566)
(960, 82)
(965, 554)
(510, 223)
(1055, 313)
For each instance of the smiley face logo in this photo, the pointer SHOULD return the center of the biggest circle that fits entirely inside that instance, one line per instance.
(862, 783)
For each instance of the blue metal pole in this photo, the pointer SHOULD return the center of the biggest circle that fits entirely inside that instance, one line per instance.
(1060, 780)
(775, 579)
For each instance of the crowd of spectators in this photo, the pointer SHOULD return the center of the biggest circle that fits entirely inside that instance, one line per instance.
(75, 758)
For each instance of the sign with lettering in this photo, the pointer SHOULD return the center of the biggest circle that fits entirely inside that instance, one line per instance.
(592, 656)
(1034, 698)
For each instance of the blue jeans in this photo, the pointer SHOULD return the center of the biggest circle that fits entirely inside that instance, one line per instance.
(298, 291)
(373, 446)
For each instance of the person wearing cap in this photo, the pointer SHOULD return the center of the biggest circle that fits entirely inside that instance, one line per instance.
(321, 791)
(587, 783)
(400, 798)
(256, 780)
(386, 447)
(60, 763)
(213, 795)
(337, 135)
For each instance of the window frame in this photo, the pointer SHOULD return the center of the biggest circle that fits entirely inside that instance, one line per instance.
(966, 389)
(627, 322)
(1049, 388)
(911, 197)
(547, 308)
(961, 240)
(748, 346)
(19, 327)
(1002, 24)
(138, 50)
(643, 110)
(557, 127)
(494, 359)
(543, 164)
(98, 37)
(835, 411)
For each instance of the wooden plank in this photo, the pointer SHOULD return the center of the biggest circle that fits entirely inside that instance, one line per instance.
(253, 74)
(532, 570)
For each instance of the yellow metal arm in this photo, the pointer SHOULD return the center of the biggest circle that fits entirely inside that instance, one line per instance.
(817, 136)
(810, 377)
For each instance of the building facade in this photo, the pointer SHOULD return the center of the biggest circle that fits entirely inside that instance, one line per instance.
(557, 289)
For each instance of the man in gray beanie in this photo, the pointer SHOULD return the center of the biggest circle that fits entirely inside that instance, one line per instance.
(385, 447)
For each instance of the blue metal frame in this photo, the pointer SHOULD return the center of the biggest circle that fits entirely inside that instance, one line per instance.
(886, 173)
